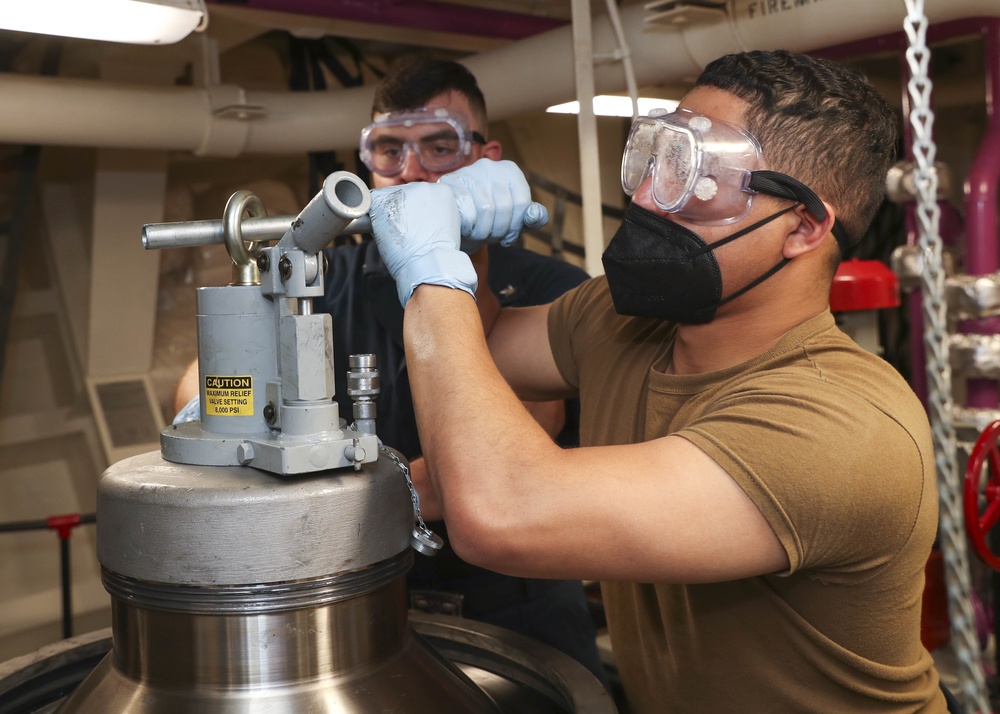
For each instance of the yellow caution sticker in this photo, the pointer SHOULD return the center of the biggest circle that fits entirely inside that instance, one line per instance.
(228, 396)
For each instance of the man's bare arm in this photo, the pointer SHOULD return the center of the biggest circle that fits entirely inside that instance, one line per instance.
(658, 511)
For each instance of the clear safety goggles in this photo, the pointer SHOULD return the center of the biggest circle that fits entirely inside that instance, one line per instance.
(707, 171)
(700, 167)
(440, 139)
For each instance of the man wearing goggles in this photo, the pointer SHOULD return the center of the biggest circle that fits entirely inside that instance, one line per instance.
(704, 171)
(756, 492)
(438, 138)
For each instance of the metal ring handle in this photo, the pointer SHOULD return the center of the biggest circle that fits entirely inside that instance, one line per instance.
(243, 256)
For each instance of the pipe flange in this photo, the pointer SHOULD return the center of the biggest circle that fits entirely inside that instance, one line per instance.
(973, 296)
(975, 356)
(900, 182)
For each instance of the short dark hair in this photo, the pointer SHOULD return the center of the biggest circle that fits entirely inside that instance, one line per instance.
(414, 81)
(818, 121)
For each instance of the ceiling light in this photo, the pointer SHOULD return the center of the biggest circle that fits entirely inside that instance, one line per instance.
(142, 22)
(613, 106)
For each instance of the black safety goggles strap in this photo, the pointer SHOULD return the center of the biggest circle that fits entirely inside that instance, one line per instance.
(781, 185)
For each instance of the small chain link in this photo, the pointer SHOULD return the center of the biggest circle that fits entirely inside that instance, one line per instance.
(414, 496)
(941, 407)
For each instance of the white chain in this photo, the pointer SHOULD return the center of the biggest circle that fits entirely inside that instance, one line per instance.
(952, 525)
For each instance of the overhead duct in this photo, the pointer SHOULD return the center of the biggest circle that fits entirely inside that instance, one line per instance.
(228, 121)
(415, 15)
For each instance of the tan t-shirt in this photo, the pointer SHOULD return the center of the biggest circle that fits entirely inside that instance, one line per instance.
(835, 450)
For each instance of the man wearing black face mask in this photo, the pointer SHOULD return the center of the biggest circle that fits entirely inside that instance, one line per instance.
(755, 492)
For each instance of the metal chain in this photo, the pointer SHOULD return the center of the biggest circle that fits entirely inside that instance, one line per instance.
(941, 407)
(424, 539)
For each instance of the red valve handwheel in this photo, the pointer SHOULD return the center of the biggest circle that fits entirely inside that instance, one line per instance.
(978, 523)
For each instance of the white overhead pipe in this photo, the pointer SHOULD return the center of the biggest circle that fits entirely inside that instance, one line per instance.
(223, 120)
(524, 76)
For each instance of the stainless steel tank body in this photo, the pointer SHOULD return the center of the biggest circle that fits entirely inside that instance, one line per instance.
(237, 591)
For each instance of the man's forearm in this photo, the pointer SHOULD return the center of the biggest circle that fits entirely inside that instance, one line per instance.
(476, 435)
(488, 306)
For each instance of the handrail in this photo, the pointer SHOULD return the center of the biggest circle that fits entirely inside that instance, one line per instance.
(63, 525)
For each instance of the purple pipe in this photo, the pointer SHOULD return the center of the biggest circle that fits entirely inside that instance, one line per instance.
(982, 254)
(915, 298)
(897, 41)
(416, 15)
(982, 248)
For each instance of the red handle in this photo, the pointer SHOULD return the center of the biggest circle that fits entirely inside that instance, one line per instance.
(64, 525)
(982, 502)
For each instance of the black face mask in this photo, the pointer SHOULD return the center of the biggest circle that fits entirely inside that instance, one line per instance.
(657, 268)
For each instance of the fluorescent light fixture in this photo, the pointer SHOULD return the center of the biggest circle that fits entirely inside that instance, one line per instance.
(141, 22)
(606, 105)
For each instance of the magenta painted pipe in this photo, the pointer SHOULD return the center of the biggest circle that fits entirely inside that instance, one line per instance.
(897, 41)
(982, 256)
(981, 244)
(915, 298)
(417, 15)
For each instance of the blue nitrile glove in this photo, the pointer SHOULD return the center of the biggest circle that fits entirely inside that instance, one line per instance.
(418, 230)
(190, 412)
(494, 201)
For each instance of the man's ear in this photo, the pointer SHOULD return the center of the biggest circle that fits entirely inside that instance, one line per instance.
(492, 150)
(808, 233)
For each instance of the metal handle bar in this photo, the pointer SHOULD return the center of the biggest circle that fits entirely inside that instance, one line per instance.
(210, 232)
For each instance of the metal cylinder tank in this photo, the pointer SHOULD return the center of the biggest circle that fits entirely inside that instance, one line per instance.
(237, 591)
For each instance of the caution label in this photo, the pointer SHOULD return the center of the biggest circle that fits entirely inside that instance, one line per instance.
(229, 396)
